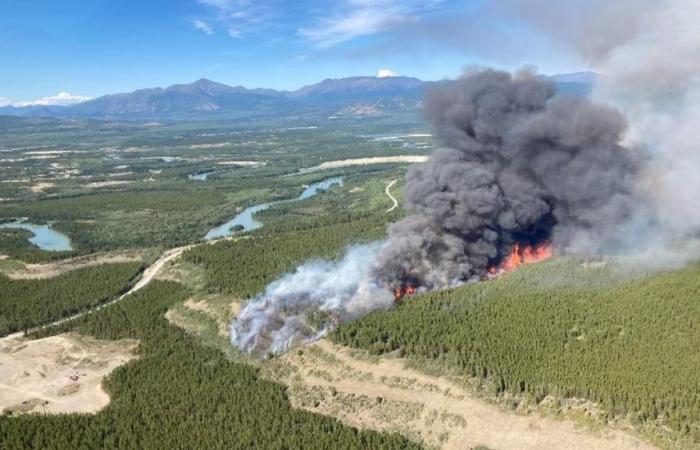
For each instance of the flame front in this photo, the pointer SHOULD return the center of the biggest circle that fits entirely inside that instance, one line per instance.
(401, 292)
(522, 255)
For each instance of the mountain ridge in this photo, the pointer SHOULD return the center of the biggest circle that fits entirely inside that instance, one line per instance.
(205, 98)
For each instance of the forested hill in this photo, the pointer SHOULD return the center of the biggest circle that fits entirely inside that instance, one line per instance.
(562, 329)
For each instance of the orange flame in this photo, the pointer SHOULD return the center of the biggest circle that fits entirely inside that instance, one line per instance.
(519, 256)
(401, 292)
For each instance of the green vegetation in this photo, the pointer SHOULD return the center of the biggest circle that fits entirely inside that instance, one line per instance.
(631, 346)
(180, 395)
(25, 304)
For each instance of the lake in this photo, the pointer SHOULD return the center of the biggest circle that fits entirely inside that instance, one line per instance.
(44, 237)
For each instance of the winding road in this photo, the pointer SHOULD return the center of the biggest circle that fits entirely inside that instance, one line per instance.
(146, 277)
(393, 199)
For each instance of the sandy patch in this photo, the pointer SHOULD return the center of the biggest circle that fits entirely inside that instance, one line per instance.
(99, 184)
(366, 161)
(356, 189)
(50, 152)
(216, 145)
(48, 270)
(201, 305)
(382, 394)
(217, 309)
(58, 374)
(238, 163)
(40, 187)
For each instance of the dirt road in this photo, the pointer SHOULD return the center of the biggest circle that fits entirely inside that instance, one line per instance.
(146, 277)
(393, 199)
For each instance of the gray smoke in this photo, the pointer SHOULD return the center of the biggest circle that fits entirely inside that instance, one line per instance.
(303, 306)
(647, 53)
(517, 164)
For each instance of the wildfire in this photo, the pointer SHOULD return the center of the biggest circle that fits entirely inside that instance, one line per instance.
(522, 255)
(401, 292)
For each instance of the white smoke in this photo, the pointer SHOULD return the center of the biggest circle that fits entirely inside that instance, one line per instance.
(305, 305)
(647, 53)
(654, 78)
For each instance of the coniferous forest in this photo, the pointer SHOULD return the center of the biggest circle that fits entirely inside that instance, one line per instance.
(180, 395)
(630, 346)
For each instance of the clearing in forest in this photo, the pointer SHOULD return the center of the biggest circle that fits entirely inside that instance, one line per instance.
(58, 374)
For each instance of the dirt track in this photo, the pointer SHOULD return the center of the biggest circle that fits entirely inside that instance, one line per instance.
(146, 277)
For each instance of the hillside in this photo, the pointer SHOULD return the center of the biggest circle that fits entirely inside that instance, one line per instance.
(566, 329)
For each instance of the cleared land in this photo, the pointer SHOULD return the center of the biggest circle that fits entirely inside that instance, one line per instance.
(58, 374)
(365, 162)
(49, 270)
(382, 394)
(99, 184)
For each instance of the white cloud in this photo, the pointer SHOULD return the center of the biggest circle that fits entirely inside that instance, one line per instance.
(386, 73)
(365, 17)
(203, 27)
(4, 102)
(243, 16)
(60, 99)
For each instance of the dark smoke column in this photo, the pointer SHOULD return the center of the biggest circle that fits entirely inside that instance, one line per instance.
(516, 164)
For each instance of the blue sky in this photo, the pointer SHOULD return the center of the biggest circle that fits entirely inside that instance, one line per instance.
(95, 47)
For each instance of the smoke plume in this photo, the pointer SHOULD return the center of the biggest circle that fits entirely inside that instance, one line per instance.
(647, 53)
(516, 165)
(303, 306)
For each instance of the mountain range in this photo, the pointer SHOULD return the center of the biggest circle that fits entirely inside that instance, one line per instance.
(205, 99)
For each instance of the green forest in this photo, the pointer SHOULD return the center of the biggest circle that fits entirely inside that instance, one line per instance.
(631, 346)
(25, 304)
(180, 395)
